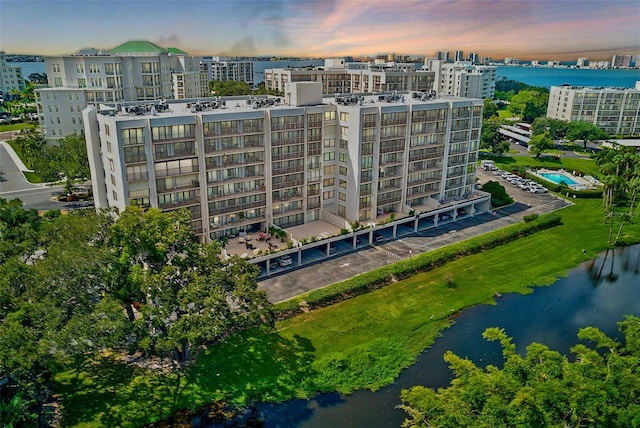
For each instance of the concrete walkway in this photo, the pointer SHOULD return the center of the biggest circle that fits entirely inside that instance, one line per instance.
(14, 157)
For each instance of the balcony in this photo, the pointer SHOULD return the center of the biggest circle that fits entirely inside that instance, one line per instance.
(135, 158)
(283, 156)
(175, 154)
(290, 170)
(287, 141)
(181, 203)
(177, 171)
(287, 126)
(166, 189)
(285, 184)
(137, 176)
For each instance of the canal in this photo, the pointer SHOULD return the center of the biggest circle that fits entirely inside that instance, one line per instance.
(596, 293)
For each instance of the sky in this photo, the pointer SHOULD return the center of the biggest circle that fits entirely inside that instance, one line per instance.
(524, 29)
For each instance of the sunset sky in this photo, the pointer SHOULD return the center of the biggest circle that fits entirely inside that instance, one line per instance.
(547, 29)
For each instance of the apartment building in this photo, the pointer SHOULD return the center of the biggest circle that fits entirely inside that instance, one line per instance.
(338, 77)
(621, 61)
(245, 164)
(133, 71)
(615, 110)
(463, 79)
(10, 77)
(227, 69)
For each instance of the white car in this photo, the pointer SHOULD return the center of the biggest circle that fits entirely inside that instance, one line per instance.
(284, 260)
(538, 189)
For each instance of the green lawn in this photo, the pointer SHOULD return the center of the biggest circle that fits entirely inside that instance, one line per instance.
(509, 163)
(360, 343)
(17, 127)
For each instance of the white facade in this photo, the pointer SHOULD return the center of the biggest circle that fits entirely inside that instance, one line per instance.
(338, 77)
(246, 163)
(134, 71)
(582, 62)
(463, 79)
(226, 69)
(10, 77)
(615, 110)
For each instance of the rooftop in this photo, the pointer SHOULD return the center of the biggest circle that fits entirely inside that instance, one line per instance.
(138, 46)
(225, 105)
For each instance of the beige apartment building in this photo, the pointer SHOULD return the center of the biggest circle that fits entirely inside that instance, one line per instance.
(246, 164)
(133, 71)
(615, 110)
(338, 77)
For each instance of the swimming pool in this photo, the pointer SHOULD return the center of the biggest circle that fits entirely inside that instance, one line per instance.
(558, 178)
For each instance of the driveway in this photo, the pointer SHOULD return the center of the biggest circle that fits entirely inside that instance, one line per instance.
(294, 282)
(14, 185)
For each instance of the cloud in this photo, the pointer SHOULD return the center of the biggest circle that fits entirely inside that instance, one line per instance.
(244, 47)
(170, 41)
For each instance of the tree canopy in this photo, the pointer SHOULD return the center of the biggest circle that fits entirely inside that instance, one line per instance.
(529, 104)
(585, 131)
(539, 143)
(491, 139)
(540, 389)
(77, 284)
(556, 128)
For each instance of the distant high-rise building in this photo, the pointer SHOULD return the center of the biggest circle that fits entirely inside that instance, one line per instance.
(338, 77)
(615, 110)
(458, 56)
(462, 79)
(474, 57)
(134, 71)
(227, 69)
(10, 78)
(511, 61)
(623, 61)
(582, 62)
(443, 55)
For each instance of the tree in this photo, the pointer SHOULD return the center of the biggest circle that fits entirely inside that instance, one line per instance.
(38, 78)
(585, 131)
(229, 88)
(557, 128)
(529, 104)
(499, 196)
(490, 109)
(491, 139)
(539, 143)
(32, 144)
(621, 177)
(185, 293)
(543, 388)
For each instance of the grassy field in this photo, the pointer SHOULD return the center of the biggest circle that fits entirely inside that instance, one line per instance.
(17, 127)
(509, 163)
(360, 343)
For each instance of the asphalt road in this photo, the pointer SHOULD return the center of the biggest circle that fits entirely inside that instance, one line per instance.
(13, 185)
(294, 282)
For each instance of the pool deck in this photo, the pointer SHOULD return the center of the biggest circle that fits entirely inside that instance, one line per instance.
(581, 183)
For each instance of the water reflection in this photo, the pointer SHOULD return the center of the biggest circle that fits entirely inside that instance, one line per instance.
(598, 293)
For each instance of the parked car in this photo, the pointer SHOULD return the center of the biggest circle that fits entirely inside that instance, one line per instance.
(538, 189)
(285, 260)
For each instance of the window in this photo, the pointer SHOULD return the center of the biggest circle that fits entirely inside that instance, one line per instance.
(106, 130)
(79, 68)
(329, 142)
(343, 170)
(329, 156)
(344, 116)
(82, 83)
(132, 136)
(342, 157)
(113, 179)
(115, 195)
(57, 81)
(342, 184)
(344, 131)
(342, 210)
(94, 68)
(328, 195)
(329, 115)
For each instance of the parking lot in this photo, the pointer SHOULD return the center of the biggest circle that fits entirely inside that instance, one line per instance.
(314, 270)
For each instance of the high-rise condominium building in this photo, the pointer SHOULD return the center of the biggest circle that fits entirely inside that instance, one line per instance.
(582, 62)
(474, 57)
(227, 69)
(11, 78)
(463, 79)
(623, 61)
(442, 55)
(615, 110)
(243, 163)
(458, 56)
(133, 71)
(338, 77)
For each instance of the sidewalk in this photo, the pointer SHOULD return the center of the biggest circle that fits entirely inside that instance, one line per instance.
(14, 156)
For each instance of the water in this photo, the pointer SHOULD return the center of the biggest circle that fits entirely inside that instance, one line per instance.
(558, 178)
(552, 76)
(550, 315)
(536, 76)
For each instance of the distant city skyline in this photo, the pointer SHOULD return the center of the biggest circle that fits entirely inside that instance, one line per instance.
(542, 29)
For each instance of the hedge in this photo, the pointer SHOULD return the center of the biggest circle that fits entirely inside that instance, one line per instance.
(421, 263)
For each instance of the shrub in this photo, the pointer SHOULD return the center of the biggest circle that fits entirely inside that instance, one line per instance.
(530, 217)
(499, 196)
